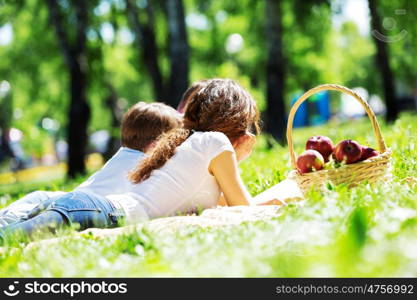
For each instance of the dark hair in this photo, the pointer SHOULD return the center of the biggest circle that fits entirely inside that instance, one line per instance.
(144, 122)
(222, 105)
(189, 93)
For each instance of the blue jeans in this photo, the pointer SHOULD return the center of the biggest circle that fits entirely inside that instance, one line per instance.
(19, 210)
(75, 208)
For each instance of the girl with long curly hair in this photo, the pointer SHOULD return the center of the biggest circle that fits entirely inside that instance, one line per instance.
(196, 166)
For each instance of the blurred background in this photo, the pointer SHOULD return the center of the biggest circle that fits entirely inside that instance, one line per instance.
(69, 69)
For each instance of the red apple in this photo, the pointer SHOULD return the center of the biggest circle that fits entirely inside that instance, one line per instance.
(310, 160)
(368, 152)
(348, 151)
(322, 144)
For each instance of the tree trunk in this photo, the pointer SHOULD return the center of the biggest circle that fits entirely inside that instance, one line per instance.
(79, 117)
(111, 101)
(275, 110)
(178, 51)
(6, 109)
(74, 53)
(145, 38)
(5, 150)
(382, 62)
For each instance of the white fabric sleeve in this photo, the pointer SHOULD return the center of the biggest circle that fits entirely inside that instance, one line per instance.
(216, 143)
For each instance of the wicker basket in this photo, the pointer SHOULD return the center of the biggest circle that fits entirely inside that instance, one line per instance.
(370, 170)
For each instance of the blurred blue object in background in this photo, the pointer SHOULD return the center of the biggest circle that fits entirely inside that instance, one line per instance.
(322, 108)
(314, 111)
(301, 116)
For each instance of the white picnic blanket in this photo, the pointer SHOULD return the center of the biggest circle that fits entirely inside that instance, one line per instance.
(286, 190)
(213, 217)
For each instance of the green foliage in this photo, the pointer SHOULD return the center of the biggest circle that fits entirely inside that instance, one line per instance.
(367, 231)
(397, 24)
(315, 52)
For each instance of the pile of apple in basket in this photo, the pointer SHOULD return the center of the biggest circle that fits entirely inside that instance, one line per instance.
(320, 153)
(346, 163)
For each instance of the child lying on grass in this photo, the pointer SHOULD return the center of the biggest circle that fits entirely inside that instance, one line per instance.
(287, 190)
(187, 170)
(141, 126)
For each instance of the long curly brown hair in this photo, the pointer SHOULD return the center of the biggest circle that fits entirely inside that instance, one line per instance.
(222, 105)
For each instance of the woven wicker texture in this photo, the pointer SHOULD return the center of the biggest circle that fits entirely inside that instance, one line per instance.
(370, 170)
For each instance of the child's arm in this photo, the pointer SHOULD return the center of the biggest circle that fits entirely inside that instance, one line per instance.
(283, 192)
(224, 169)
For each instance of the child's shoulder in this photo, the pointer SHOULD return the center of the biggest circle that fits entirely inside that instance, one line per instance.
(127, 152)
(211, 137)
(211, 142)
(216, 135)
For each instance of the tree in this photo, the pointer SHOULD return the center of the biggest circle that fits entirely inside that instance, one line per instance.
(305, 38)
(145, 38)
(113, 102)
(74, 52)
(178, 51)
(5, 120)
(275, 72)
(382, 62)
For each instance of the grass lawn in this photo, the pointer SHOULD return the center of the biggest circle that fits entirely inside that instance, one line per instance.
(366, 231)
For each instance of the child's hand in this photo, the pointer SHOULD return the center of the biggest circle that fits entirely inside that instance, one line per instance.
(273, 202)
(244, 146)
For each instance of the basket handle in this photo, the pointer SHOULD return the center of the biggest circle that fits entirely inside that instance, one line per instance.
(332, 87)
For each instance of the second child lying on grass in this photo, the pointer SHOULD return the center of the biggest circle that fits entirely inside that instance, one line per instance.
(188, 169)
(141, 126)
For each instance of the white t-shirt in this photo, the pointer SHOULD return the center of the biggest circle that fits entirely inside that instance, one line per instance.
(184, 184)
(112, 177)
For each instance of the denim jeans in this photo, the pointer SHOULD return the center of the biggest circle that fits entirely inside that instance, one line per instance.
(19, 210)
(74, 208)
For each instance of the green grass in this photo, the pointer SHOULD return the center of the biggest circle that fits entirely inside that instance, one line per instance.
(366, 231)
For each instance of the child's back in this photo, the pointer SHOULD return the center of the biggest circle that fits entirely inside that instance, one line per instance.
(184, 183)
(141, 127)
(112, 177)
